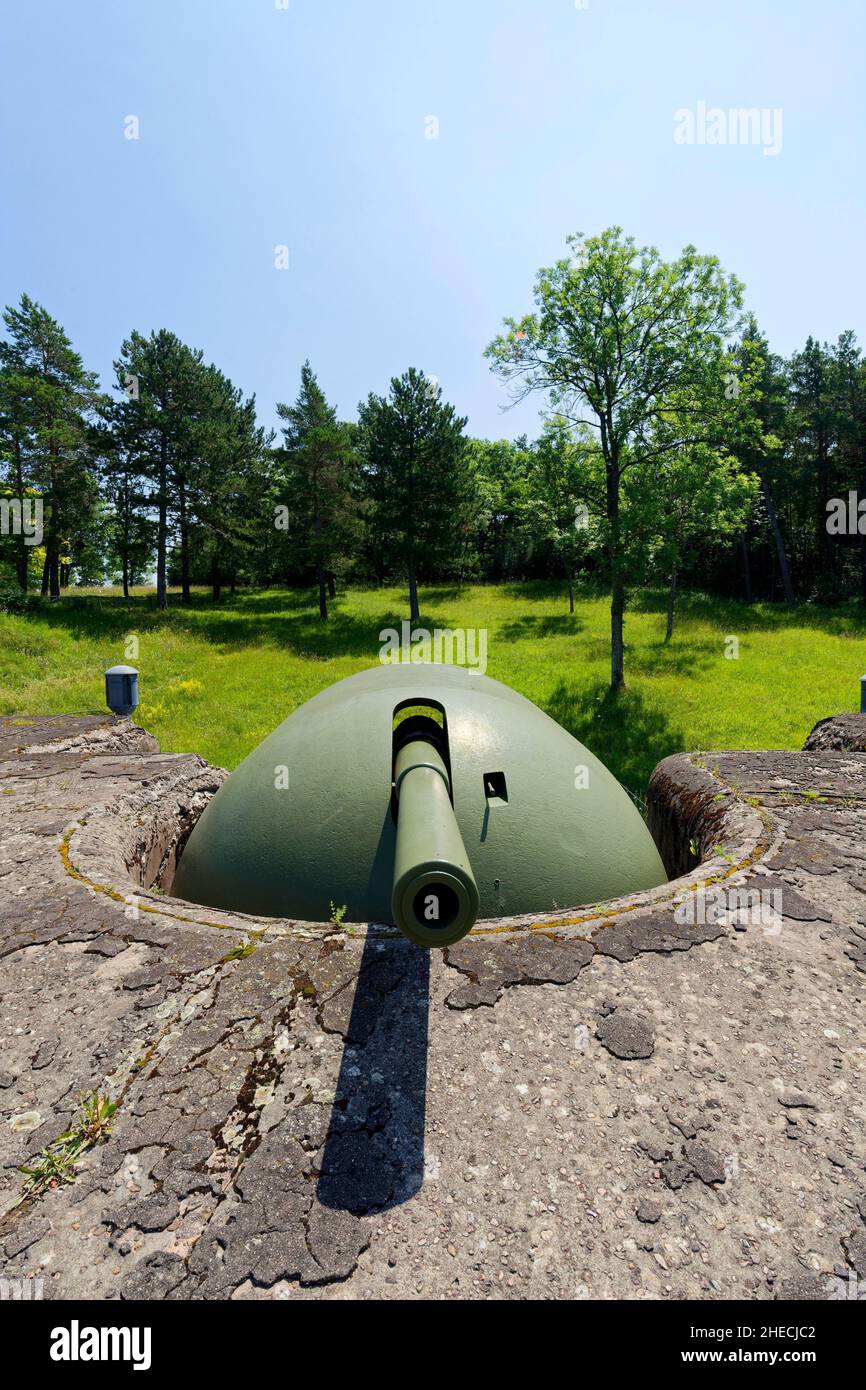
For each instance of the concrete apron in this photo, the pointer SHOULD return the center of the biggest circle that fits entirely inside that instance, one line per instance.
(660, 1096)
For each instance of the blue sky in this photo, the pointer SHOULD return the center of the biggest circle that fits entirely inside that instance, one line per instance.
(305, 126)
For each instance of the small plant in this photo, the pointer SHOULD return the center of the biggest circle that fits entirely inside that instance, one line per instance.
(57, 1163)
(239, 952)
(338, 914)
(154, 711)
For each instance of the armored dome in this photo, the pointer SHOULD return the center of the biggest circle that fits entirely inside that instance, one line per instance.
(314, 816)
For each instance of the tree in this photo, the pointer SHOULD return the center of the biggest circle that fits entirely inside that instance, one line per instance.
(811, 396)
(415, 477)
(131, 533)
(566, 488)
(763, 407)
(47, 400)
(158, 378)
(696, 499)
(15, 445)
(227, 502)
(504, 528)
(616, 331)
(848, 397)
(316, 463)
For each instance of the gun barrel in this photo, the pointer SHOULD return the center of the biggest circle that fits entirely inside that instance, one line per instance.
(435, 897)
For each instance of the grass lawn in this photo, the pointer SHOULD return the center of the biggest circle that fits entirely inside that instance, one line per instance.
(215, 679)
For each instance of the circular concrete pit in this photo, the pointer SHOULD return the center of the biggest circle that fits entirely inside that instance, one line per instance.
(621, 1099)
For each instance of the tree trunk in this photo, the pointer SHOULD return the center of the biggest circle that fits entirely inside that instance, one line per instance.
(52, 548)
(571, 593)
(332, 585)
(790, 596)
(826, 548)
(21, 558)
(215, 579)
(53, 571)
(162, 528)
(46, 567)
(320, 571)
(672, 597)
(617, 610)
(21, 565)
(414, 611)
(323, 594)
(184, 547)
(747, 566)
(126, 576)
(617, 583)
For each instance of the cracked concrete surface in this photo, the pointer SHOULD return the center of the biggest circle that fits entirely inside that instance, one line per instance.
(630, 1100)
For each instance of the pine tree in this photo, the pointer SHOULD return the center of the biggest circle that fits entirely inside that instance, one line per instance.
(156, 378)
(48, 399)
(15, 448)
(316, 463)
(415, 477)
(229, 485)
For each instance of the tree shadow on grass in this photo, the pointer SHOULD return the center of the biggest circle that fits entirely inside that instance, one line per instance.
(246, 621)
(441, 593)
(233, 626)
(623, 732)
(537, 628)
(736, 617)
(547, 591)
(691, 657)
(257, 601)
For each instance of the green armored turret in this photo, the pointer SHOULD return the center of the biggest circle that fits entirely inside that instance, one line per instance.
(424, 795)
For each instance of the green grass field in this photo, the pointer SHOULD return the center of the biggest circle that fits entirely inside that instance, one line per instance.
(215, 679)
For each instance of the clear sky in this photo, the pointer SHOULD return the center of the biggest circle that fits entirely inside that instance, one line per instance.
(304, 123)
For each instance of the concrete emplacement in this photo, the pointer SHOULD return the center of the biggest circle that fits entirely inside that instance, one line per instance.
(423, 795)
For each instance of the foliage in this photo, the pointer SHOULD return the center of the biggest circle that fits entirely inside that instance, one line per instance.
(57, 1163)
(314, 477)
(47, 400)
(415, 478)
(677, 447)
(621, 343)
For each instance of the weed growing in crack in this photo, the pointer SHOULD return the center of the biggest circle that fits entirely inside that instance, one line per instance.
(57, 1163)
(238, 952)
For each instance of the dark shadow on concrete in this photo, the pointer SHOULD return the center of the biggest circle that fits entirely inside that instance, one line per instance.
(373, 1157)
